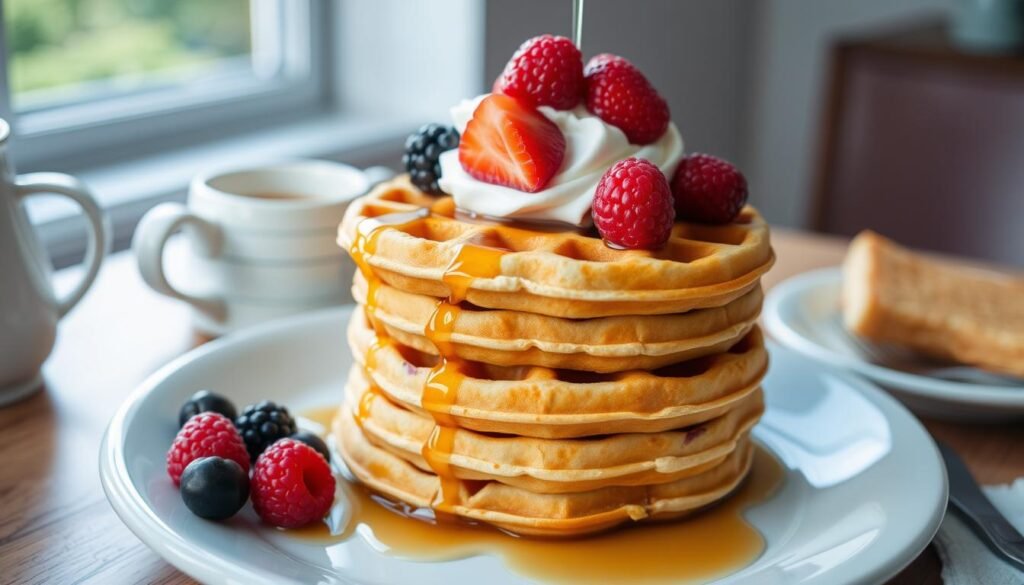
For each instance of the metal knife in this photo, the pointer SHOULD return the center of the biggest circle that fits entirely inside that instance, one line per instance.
(975, 508)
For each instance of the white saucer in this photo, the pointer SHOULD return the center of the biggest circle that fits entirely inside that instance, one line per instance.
(804, 314)
(864, 492)
(21, 390)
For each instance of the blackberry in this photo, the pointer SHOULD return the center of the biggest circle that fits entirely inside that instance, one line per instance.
(263, 423)
(422, 151)
(206, 401)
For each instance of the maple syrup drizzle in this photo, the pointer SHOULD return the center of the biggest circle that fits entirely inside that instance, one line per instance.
(470, 263)
(373, 391)
(372, 292)
(437, 451)
(440, 390)
(364, 246)
(362, 412)
(440, 326)
(442, 385)
(371, 354)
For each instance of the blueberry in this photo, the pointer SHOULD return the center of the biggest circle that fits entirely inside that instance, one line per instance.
(313, 441)
(214, 488)
(205, 401)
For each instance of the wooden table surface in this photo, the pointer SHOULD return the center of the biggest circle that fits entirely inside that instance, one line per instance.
(57, 527)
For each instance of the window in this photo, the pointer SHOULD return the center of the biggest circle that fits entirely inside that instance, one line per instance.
(97, 50)
(137, 96)
(118, 77)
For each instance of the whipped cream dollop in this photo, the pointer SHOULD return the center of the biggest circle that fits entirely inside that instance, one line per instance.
(592, 146)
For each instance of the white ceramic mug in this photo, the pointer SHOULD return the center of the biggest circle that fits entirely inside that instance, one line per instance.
(29, 309)
(262, 243)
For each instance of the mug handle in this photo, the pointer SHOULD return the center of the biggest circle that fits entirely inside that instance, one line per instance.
(150, 239)
(96, 249)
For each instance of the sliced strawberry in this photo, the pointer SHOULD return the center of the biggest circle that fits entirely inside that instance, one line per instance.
(510, 143)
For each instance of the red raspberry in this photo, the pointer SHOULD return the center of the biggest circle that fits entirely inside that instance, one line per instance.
(619, 94)
(633, 205)
(292, 485)
(206, 434)
(602, 60)
(545, 71)
(708, 189)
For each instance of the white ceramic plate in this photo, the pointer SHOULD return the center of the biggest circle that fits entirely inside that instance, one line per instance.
(804, 314)
(864, 491)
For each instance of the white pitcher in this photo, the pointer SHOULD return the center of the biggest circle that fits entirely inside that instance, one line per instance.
(29, 309)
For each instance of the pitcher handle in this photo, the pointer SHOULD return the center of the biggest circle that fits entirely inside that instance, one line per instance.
(99, 240)
(149, 241)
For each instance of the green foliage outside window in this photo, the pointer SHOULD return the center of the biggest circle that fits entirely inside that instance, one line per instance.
(60, 44)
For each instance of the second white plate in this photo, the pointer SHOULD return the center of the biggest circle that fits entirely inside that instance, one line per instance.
(804, 314)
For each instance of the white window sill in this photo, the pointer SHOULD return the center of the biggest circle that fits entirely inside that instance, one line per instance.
(127, 190)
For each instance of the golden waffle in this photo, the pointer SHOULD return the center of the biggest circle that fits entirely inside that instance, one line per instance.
(525, 512)
(523, 331)
(416, 244)
(604, 344)
(546, 403)
(554, 465)
(894, 295)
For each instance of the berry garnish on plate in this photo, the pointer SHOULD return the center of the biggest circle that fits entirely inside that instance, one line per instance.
(206, 401)
(544, 71)
(423, 150)
(263, 423)
(602, 60)
(633, 205)
(618, 93)
(292, 485)
(708, 189)
(510, 143)
(206, 434)
(214, 488)
(313, 441)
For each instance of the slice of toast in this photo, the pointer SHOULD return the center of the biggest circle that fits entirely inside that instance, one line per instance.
(947, 310)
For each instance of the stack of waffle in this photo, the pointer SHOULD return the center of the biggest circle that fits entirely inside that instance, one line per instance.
(542, 382)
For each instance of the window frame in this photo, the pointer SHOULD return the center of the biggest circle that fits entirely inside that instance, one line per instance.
(102, 131)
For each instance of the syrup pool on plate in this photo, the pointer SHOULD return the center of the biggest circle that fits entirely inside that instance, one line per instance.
(703, 547)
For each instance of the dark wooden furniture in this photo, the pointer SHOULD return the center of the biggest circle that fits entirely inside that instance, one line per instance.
(924, 143)
(56, 525)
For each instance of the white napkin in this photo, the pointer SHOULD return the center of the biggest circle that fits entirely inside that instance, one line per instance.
(968, 561)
